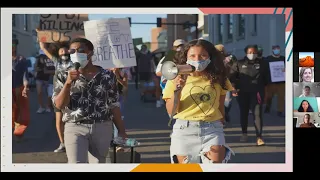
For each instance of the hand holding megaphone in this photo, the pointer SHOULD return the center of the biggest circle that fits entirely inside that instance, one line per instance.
(180, 81)
(170, 70)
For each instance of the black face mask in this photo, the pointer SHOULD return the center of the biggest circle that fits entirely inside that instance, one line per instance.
(65, 57)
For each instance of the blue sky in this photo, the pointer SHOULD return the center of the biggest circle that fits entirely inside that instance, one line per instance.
(137, 30)
(304, 54)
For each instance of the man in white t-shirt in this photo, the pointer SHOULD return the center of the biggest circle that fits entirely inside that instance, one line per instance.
(177, 46)
(306, 92)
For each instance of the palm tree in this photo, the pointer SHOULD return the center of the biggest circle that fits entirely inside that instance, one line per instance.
(100, 89)
(77, 113)
(97, 102)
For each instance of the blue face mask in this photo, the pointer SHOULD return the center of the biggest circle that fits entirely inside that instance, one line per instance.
(199, 65)
(276, 51)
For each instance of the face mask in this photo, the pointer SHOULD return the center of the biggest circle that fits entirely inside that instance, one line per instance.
(64, 57)
(81, 58)
(252, 56)
(199, 65)
(276, 51)
(178, 49)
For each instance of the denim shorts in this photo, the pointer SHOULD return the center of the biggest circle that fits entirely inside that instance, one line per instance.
(194, 138)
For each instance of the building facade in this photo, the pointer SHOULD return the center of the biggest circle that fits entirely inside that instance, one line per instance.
(155, 33)
(236, 31)
(178, 31)
(202, 27)
(162, 39)
(23, 29)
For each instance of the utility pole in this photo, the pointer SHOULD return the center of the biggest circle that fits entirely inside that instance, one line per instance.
(196, 25)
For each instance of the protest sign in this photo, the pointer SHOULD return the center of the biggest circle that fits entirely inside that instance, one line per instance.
(277, 71)
(61, 27)
(113, 46)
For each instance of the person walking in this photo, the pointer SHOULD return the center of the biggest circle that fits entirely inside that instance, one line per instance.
(145, 69)
(42, 82)
(197, 135)
(177, 46)
(20, 101)
(228, 64)
(249, 76)
(89, 100)
(62, 61)
(123, 76)
(275, 87)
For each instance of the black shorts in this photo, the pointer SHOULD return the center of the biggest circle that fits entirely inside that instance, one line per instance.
(144, 76)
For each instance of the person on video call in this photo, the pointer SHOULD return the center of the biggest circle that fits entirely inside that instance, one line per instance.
(306, 122)
(305, 107)
(306, 74)
(306, 92)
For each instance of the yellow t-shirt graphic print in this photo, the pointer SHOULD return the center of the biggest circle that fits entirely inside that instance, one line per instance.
(199, 100)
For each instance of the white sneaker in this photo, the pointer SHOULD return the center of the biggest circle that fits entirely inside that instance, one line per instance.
(41, 110)
(48, 110)
(158, 104)
(61, 148)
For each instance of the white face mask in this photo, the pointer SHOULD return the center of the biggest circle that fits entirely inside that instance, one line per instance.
(81, 58)
(64, 57)
(178, 49)
(252, 56)
(199, 65)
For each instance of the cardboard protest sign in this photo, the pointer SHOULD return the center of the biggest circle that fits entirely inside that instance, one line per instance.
(61, 27)
(113, 46)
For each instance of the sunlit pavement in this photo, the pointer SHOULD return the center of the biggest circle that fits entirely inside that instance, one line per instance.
(148, 125)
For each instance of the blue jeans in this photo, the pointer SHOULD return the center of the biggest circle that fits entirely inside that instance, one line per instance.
(194, 138)
(115, 130)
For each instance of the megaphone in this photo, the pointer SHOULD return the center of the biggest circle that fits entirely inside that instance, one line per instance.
(170, 70)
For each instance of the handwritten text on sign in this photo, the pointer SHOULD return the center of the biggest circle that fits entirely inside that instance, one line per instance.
(61, 27)
(112, 42)
(277, 71)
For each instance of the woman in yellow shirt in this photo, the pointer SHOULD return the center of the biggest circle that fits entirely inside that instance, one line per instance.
(197, 134)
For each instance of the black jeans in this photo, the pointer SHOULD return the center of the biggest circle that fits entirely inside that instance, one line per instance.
(250, 101)
(226, 111)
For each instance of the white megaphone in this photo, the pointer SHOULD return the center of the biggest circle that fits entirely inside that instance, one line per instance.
(170, 70)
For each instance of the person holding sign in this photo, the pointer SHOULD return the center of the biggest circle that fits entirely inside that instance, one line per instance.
(88, 97)
(275, 87)
(250, 78)
(122, 76)
(62, 62)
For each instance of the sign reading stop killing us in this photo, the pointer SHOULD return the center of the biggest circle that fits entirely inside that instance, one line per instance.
(61, 27)
(112, 40)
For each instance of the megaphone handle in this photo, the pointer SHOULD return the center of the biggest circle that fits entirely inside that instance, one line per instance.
(175, 104)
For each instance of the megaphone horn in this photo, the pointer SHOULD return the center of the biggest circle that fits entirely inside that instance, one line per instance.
(170, 70)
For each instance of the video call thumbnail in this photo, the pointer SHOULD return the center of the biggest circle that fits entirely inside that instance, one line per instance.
(306, 59)
(306, 67)
(306, 104)
(306, 74)
(306, 89)
(306, 120)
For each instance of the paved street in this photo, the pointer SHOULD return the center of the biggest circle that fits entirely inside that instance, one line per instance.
(148, 125)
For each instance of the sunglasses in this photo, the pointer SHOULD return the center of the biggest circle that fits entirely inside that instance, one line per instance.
(71, 51)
